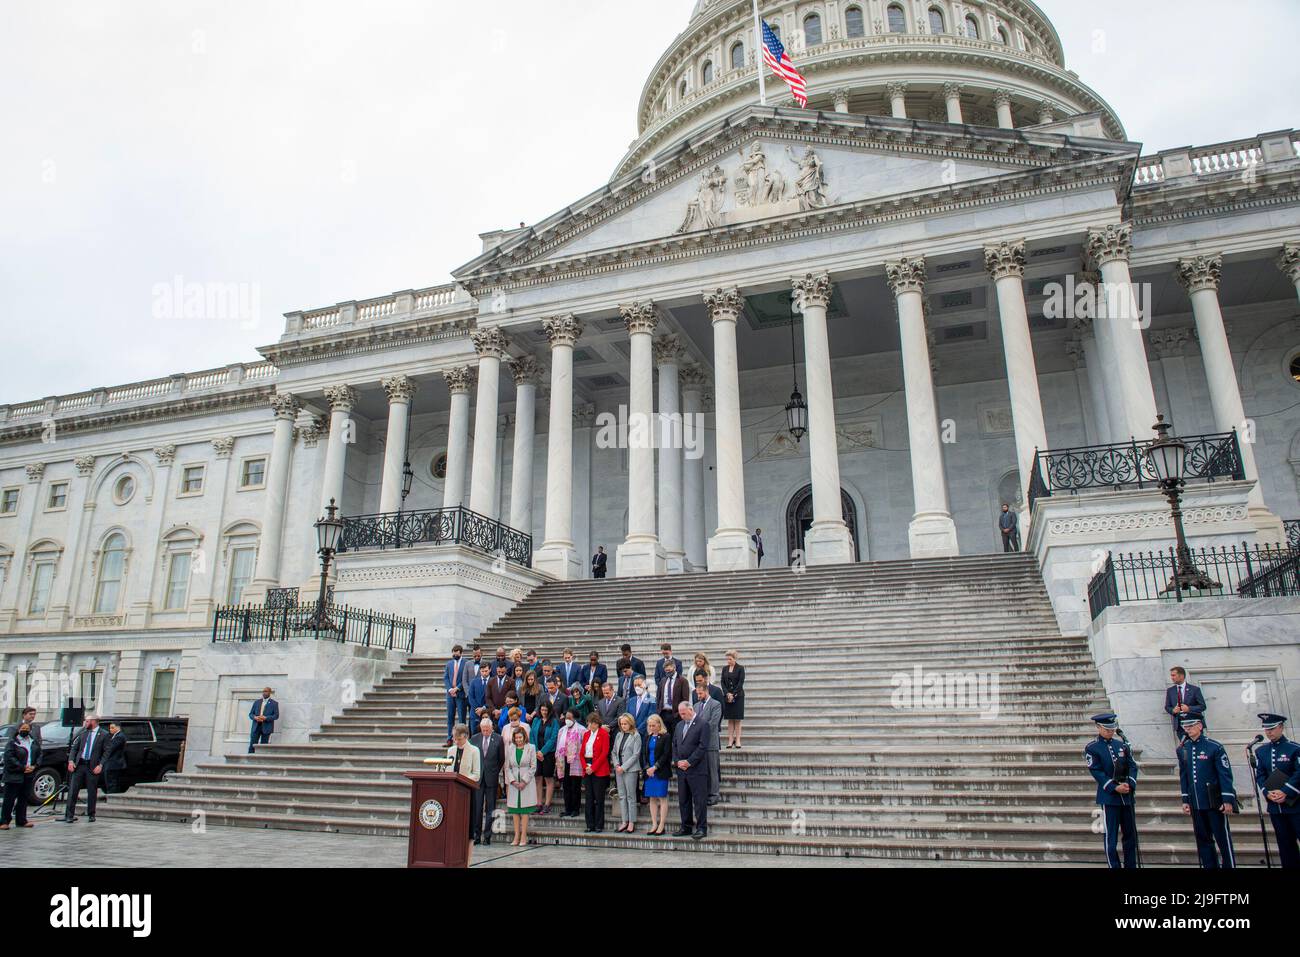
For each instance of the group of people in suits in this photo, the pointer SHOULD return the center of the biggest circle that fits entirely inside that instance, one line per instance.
(96, 758)
(544, 727)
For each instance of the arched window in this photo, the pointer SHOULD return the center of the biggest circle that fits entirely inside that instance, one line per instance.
(1002, 36)
(706, 73)
(972, 28)
(1295, 368)
(812, 30)
(681, 89)
(936, 20)
(738, 56)
(897, 19)
(112, 564)
(854, 25)
(775, 28)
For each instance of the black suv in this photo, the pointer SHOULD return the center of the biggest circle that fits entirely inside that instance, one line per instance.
(153, 751)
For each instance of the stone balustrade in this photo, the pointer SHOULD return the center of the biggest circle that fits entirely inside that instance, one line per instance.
(398, 305)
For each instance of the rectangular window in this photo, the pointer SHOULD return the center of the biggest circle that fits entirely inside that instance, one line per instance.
(9, 501)
(42, 579)
(192, 480)
(241, 572)
(58, 496)
(178, 582)
(160, 699)
(90, 689)
(253, 473)
(110, 581)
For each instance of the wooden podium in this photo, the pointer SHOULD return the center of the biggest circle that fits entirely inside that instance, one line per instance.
(439, 824)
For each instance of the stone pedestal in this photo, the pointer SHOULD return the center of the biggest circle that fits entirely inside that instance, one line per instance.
(828, 544)
(636, 558)
(732, 551)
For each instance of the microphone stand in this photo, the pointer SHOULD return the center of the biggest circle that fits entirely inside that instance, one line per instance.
(1259, 800)
(1137, 842)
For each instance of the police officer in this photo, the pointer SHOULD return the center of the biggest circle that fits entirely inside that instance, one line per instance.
(1110, 761)
(1205, 774)
(1281, 754)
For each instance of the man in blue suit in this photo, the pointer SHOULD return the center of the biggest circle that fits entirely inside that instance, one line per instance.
(593, 671)
(1281, 755)
(666, 654)
(1181, 698)
(1205, 775)
(455, 682)
(476, 694)
(570, 671)
(691, 767)
(1110, 762)
(264, 713)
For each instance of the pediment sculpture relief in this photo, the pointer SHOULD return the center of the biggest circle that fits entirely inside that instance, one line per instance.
(758, 190)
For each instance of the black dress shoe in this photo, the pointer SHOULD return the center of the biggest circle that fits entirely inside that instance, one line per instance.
(699, 835)
(683, 832)
(713, 801)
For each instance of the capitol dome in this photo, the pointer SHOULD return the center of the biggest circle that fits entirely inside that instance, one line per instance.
(987, 63)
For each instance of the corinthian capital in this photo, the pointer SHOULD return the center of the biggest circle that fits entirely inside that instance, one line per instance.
(1006, 259)
(1169, 343)
(165, 454)
(1001, 97)
(724, 305)
(35, 471)
(1289, 261)
(526, 370)
(490, 343)
(85, 465)
(1110, 243)
(813, 290)
(460, 381)
(668, 350)
(896, 88)
(562, 330)
(692, 378)
(640, 318)
(1200, 272)
(906, 275)
(342, 398)
(400, 388)
(284, 405)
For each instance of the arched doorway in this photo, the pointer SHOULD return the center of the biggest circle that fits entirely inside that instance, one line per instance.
(799, 518)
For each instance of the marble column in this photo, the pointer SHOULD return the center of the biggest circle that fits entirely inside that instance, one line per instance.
(557, 557)
(1091, 364)
(828, 541)
(668, 357)
(1289, 263)
(343, 432)
(491, 346)
(1104, 371)
(693, 381)
(459, 383)
(526, 371)
(897, 93)
(267, 572)
(1002, 100)
(1046, 112)
(952, 98)
(840, 100)
(641, 553)
(731, 547)
(1120, 332)
(1005, 263)
(931, 532)
(400, 390)
(1200, 277)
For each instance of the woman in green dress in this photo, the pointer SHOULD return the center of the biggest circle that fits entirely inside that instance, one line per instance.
(521, 784)
(584, 700)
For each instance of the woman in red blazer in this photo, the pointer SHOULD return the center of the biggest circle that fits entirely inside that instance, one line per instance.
(595, 771)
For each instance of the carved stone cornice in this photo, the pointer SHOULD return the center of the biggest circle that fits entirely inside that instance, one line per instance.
(562, 330)
(285, 406)
(35, 472)
(400, 388)
(1289, 261)
(1005, 260)
(692, 378)
(342, 398)
(490, 343)
(223, 446)
(368, 338)
(165, 454)
(813, 290)
(1199, 272)
(1170, 343)
(724, 305)
(1111, 243)
(85, 464)
(526, 370)
(668, 350)
(906, 275)
(460, 381)
(641, 318)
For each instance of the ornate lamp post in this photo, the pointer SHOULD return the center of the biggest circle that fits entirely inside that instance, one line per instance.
(328, 531)
(796, 410)
(1167, 456)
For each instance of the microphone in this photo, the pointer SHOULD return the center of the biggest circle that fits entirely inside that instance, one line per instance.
(1258, 738)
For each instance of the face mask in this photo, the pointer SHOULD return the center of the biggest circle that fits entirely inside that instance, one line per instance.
(568, 722)
(24, 734)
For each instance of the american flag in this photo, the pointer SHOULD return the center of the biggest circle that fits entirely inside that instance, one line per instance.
(774, 55)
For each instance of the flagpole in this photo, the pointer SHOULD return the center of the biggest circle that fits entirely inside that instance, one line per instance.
(758, 56)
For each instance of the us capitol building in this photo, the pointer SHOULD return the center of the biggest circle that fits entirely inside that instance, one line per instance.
(909, 254)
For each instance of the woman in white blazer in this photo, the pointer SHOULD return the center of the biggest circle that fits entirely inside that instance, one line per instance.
(521, 783)
(625, 760)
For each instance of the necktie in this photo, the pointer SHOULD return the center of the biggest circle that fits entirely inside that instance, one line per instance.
(455, 674)
(1180, 694)
(90, 738)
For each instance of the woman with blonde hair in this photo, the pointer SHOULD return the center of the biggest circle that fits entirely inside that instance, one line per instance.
(733, 697)
(626, 760)
(700, 663)
(657, 759)
(521, 784)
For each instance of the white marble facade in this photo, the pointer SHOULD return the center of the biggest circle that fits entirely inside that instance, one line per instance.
(921, 247)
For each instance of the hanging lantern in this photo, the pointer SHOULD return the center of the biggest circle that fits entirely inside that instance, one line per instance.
(796, 415)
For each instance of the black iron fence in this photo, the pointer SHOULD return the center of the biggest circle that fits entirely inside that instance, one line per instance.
(1125, 465)
(1248, 571)
(440, 526)
(341, 623)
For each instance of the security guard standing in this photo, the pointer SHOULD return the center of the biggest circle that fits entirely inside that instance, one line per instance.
(1281, 754)
(1110, 761)
(1205, 774)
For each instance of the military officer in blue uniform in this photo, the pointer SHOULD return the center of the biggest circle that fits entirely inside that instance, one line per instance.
(1205, 775)
(1111, 763)
(1281, 754)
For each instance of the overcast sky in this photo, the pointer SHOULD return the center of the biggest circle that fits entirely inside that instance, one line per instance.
(318, 150)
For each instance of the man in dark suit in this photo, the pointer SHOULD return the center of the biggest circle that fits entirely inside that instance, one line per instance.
(708, 712)
(599, 562)
(757, 539)
(22, 754)
(497, 689)
(691, 760)
(1181, 698)
(638, 666)
(114, 758)
(626, 679)
(483, 803)
(570, 671)
(85, 765)
(556, 698)
(476, 694)
(264, 713)
(593, 671)
(665, 655)
(610, 708)
(1009, 526)
(672, 691)
(455, 682)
